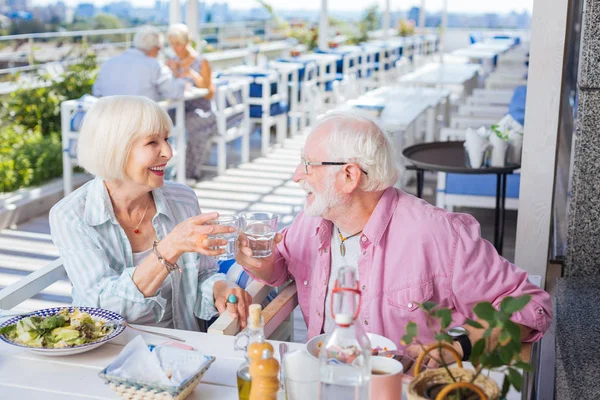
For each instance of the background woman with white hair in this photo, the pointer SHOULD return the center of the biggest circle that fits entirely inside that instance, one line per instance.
(200, 121)
(130, 241)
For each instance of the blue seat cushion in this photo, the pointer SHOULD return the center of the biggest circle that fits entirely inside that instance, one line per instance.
(256, 89)
(481, 185)
(276, 109)
(235, 273)
(516, 108)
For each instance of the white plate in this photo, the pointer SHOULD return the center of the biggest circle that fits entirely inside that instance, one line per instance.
(312, 346)
(95, 313)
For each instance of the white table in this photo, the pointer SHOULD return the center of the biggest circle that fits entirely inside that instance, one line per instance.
(25, 375)
(443, 75)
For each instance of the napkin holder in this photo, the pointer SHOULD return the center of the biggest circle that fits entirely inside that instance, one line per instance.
(135, 389)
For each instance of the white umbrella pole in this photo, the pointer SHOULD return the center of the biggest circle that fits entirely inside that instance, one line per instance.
(174, 12)
(323, 27)
(386, 20)
(444, 28)
(422, 16)
(191, 20)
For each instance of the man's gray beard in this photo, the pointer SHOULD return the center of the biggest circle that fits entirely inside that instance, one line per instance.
(325, 201)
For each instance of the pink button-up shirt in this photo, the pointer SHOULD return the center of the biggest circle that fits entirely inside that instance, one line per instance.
(411, 252)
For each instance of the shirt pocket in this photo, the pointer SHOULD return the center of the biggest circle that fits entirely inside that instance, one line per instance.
(407, 300)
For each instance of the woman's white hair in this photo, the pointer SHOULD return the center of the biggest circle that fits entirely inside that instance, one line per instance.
(147, 38)
(109, 129)
(353, 138)
(179, 33)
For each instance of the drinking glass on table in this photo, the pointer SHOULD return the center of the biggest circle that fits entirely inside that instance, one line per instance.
(260, 229)
(231, 237)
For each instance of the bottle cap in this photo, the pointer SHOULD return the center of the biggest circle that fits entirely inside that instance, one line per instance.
(254, 317)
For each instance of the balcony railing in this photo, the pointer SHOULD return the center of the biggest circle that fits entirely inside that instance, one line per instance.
(220, 36)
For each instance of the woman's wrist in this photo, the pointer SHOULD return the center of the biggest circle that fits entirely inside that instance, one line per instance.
(168, 251)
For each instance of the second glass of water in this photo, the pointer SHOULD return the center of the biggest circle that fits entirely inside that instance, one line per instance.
(260, 229)
(231, 237)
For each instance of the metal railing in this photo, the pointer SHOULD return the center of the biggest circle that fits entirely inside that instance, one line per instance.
(219, 35)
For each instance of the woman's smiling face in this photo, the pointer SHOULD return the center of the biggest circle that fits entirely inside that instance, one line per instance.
(148, 159)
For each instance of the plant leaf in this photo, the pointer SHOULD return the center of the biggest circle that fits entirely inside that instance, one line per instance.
(485, 311)
(443, 337)
(428, 305)
(524, 366)
(411, 333)
(474, 324)
(477, 350)
(516, 379)
(510, 305)
(505, 354)
(505, 387)
(446, 316)
(513, 330)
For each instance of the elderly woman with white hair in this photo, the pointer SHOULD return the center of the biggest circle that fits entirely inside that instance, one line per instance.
(131, 242)
(200, 121)
(137, 72)
(404, 251)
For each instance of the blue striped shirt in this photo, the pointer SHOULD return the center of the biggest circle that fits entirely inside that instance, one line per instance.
(98, 258)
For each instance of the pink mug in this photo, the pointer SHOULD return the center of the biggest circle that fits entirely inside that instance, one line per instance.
(386, 378)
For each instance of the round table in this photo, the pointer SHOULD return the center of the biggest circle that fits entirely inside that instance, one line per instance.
(450, 157)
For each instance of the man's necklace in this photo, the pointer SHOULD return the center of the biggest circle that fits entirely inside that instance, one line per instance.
(343, 239)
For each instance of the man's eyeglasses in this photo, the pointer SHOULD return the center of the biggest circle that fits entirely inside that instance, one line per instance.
(307, 163)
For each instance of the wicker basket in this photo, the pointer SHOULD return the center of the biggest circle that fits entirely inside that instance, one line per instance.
(138, 390)
(421, 382)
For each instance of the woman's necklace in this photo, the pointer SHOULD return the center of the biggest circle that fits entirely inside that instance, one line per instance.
(136, 229)
(343, 239)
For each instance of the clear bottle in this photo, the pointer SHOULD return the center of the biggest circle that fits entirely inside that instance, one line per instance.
(254, 333)
(345, 356)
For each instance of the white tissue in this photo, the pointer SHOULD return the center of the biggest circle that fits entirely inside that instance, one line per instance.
(168, 366)
(137, 362)
(499, 148)
(515, 140)
(476, 144)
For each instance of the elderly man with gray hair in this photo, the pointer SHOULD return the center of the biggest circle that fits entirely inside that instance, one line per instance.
(404, 251)
(137, 72)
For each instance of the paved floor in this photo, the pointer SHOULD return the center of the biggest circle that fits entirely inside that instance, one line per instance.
(263, 184)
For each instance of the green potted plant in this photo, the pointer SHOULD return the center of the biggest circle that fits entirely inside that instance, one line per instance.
(502, 356)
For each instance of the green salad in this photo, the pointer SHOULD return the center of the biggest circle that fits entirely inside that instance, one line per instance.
(61, 330)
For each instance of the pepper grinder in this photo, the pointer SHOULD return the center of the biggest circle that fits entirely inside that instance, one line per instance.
(264, 372)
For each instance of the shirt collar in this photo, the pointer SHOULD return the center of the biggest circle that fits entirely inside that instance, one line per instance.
(99, 209)
(381, 216)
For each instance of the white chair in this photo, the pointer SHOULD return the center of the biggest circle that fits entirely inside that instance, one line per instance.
(276, 315)
(304, 96)
(268, 102)
(231, 108)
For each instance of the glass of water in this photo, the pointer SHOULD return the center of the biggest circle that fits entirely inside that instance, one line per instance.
(260, 229)
(231, 237)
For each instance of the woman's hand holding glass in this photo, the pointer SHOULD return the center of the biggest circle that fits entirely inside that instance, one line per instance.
(192, 234)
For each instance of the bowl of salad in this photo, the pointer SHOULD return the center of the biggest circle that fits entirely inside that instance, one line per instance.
(62, 330)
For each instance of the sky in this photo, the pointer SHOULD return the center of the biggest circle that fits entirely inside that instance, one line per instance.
(463, 6)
